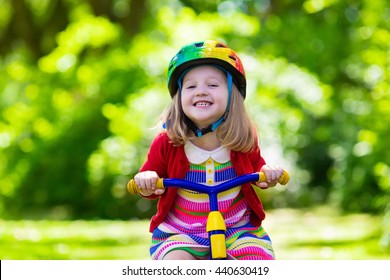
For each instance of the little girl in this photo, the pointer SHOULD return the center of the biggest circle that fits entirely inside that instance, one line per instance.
(208, 138)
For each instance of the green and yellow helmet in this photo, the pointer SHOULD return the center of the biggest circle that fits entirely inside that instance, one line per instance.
(209, 52)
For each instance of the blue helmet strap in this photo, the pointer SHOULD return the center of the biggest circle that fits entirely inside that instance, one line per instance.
(199, 132)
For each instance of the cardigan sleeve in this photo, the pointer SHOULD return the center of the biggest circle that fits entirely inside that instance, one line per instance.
(156, 159)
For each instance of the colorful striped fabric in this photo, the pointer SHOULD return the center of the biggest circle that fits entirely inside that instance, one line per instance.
(185, 225)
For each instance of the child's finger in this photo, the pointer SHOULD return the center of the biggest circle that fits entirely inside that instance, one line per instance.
(262, 185)
(159, 191)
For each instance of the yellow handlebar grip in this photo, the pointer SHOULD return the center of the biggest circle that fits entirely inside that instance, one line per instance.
(133, 189)
(282, 180)
(262, 177)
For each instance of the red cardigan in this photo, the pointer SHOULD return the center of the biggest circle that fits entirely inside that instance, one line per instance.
(170, 161)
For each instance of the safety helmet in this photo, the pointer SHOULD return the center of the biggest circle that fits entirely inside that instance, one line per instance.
(209, 52)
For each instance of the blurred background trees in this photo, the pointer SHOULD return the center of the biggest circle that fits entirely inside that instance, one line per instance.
(83, 82)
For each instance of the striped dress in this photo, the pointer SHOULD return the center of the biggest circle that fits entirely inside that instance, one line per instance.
(184, 228)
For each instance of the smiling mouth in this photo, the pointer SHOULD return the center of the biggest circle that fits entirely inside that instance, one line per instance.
(202, 104)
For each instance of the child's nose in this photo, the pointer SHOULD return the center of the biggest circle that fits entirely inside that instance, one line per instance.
(202, 90)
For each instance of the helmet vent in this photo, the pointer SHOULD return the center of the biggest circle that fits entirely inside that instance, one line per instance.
(198, 45)
(220, 46)
(232, 57)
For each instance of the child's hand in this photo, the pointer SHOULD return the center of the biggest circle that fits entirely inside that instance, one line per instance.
(273, 174)
(146, 183)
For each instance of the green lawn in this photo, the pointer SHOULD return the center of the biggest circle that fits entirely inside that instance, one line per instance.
(324, 234)
(296, 234)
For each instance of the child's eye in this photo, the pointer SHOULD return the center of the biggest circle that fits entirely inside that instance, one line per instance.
(214, 85)
(190, 87)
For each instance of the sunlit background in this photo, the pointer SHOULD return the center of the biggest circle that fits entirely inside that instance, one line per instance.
(82, 83)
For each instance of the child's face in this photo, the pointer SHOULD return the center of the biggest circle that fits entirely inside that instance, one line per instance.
(204, 95)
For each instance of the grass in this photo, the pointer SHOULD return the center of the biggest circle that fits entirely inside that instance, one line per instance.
(94, 240)
(324, 234)
(297, 235)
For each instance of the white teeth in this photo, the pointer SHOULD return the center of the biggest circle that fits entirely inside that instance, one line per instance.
(202, 104)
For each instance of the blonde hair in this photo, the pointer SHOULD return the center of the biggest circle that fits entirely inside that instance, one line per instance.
(237, 132)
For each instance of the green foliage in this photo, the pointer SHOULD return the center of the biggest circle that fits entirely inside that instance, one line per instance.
(83, 82)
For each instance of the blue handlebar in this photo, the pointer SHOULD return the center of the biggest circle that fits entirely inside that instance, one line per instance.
(212, 191)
